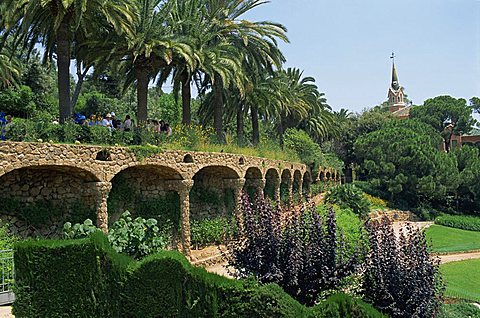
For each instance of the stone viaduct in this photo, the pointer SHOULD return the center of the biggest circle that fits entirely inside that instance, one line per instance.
(61, 173)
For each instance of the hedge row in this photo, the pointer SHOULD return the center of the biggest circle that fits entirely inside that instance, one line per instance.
(463, 222)
(86, 278)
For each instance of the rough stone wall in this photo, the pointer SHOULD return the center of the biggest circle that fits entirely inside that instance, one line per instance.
(64, 190)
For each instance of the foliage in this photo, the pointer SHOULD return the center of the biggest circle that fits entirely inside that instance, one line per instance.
(137, 237)
(211, 231)
(308, 151)
(305, 257)
(350, 226)
(401, 279)
(87, 278)
(375, 202)
(459, 310)
(402, 159)
(344, 306)
(442, 110)
(18, 102)
(79, 230)
(134, 237)
(470, 223)
(462, 279)
(146, 151)
(350, 197)
(468, 162)
(447, 239)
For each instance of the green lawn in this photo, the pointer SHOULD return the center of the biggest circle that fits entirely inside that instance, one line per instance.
(461, 310)
(447, 239)
(462, 279)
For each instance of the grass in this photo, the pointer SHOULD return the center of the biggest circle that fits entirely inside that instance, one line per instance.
(462, 279)
(447, 240)
(460, 310)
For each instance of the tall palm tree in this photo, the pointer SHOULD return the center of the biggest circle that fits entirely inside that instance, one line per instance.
(151, 46)
(255, 40)
(56, 24)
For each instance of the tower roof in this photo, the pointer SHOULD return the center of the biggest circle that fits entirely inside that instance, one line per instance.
(395, 85)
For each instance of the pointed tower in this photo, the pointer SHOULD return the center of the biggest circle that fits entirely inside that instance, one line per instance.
(396, 95)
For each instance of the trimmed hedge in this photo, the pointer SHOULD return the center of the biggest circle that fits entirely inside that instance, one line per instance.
(463, 222)
(86, 278)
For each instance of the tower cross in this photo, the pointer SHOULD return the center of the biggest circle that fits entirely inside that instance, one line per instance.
(393, 57)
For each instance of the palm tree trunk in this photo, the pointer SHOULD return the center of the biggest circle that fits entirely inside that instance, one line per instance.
(186, 99)
(63, 76)
(78, 87)
(141, 73)
(240, 124)
(255, 127)
(218, 108)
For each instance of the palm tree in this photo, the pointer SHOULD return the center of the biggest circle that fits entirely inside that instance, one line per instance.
(9, 70)
(56, 25)
(256, 41)
(151, 46)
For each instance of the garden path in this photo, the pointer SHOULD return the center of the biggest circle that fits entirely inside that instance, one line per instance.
(6, 312)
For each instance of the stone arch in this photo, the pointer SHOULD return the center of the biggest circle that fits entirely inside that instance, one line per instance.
(327, 176)
(306, 182)
(212, 194)
(38, 200)
(272, 184)
(322, 176)
(286, 186)
(253, 181)
(146, 190)
(297, 182)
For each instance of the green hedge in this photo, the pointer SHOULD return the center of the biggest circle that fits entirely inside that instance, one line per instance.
(86, 278)
(463, 222)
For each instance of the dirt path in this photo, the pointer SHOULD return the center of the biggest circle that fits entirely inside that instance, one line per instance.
(458, 257)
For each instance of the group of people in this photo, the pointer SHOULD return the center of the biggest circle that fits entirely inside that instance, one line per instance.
(127, 124)
(4, 122)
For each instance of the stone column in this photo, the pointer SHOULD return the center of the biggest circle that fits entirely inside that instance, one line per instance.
(260, 186)
(103, 190)
(276, 190)
(290, 190)
(183, 188)
(237, 186)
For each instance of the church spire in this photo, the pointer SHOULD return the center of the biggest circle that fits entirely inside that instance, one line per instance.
(395, 85)
(396, 98)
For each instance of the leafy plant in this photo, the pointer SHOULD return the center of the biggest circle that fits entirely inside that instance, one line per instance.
(79, 230)
(463, 222)
(306, 256)
(135, 237)
(401, 278)
(349, 196)
(211, 231)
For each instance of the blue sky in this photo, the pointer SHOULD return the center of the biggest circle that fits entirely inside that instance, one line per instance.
(346, 44)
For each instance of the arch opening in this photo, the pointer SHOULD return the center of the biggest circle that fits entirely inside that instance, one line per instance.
(272, 182)
(285, 186)
(144, 191)
(38, 200)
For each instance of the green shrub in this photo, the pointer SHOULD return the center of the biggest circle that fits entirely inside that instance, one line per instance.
(211, 231)
(75, 278)
(464, 222)
(86, 278)
(79, 230)
(307, 149)
(344, 306)
(349, 196)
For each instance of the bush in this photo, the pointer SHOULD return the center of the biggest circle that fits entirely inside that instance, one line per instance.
(343, 306)
(309, 151)
(470, 223)
(305, 257)
(86, 278)
(211, 231)
(350, 197)
(134, 237)
(401, 278)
